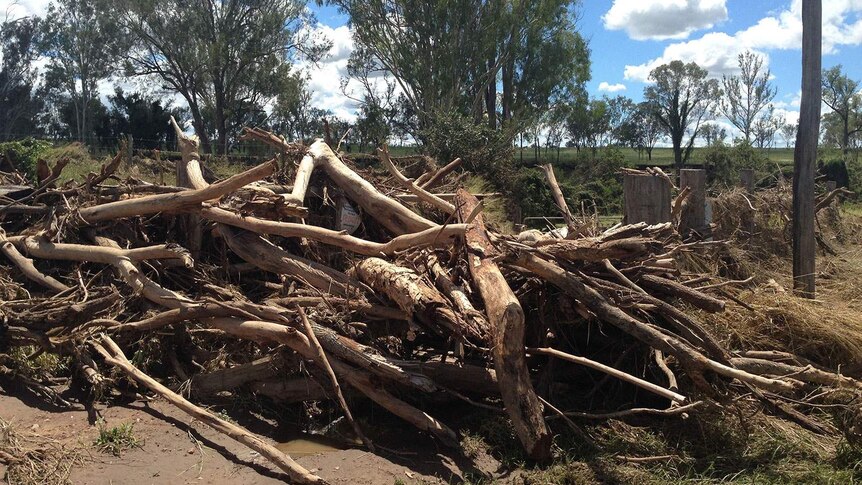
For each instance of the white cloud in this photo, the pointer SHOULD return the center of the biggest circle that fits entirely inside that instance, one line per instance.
(324, 78)
(790, 100)
(717, 51)
(664, 19)
(611, 88)
(787, 116)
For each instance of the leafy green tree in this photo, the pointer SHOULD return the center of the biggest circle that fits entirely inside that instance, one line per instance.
(18, 106)
(747, 94)
(293, 115)
(788, 133)
(844, 97)
(765, 128)
(145, 117)
(225, 58)
(373, 125)
(589, 123)
(620, 111)
(681, 98)
(83, 45)
(643, 130)
(713, 133)
(554, 124)
(450, 56)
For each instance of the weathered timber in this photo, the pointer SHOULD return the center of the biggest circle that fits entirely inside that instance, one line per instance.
(507, 331)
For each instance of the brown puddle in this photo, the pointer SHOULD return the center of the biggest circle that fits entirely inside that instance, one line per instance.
(309, 445)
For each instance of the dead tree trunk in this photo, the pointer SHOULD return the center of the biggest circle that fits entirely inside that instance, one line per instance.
(507, 326)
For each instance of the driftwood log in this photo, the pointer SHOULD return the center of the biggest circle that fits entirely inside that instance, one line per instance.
(421, 305)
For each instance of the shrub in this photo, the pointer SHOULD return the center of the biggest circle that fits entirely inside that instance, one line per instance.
(591, 179)
(24, 153)
(533, 194)
(116, 440)
(854, 175)
(485, 152)
(723, 162)
(834, 169)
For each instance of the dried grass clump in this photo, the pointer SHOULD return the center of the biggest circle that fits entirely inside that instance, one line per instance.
(828, 332)
(34, 459)
(761, 220)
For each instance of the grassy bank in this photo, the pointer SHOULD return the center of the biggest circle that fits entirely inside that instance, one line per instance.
(660, 156)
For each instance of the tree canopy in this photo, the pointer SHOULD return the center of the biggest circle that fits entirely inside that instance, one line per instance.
(225, 58)
(681, 98)
(844, 98)
(454, 55)
(746, 95)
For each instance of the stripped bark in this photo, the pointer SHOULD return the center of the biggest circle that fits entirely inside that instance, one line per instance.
(26, 266)
(557, 193)
(424, 196)
(507, 326)
(434, 236)
(434, 179)
(269, 257)
(413, 295)
(174, 202)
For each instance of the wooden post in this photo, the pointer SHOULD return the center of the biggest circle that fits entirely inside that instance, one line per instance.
(831, 185)
(646, 199)
(746, 179)
(693, 217)
(130, 146)
(805, 153)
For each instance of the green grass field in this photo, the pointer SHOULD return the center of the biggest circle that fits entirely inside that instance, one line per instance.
(660, 156)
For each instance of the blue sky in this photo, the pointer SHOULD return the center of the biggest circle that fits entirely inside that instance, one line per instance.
(629, 37)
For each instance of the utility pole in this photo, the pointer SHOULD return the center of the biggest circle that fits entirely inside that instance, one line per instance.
(805, 153)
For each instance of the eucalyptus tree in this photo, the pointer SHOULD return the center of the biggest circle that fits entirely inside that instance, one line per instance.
(844, 98)
(83, 46)
(226, 58)
(746, 95)
(788, 133)
(18, 106)
(681, 98)
(765, 128)
(500, 62)
(645, 129)
(713, 133)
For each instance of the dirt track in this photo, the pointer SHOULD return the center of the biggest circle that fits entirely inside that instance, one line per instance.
(170, 456)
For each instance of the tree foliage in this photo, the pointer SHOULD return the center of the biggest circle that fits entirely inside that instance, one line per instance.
(643, 129)
(746, 95)
(844, 97)
(713, 133)
(83, 45)
(681, 98)
(451, 56)
(18, 106)
(225, 58)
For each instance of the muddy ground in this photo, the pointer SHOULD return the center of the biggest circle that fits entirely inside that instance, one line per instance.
(176, 450)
